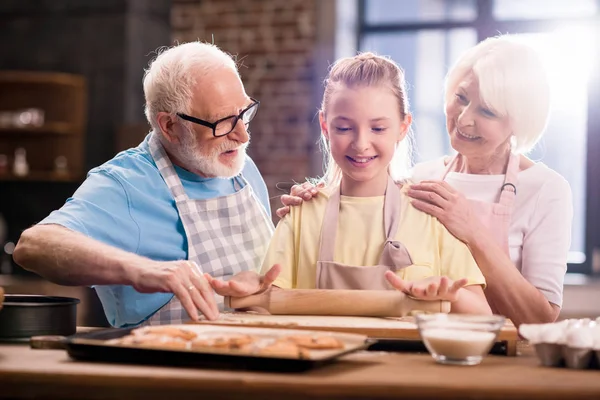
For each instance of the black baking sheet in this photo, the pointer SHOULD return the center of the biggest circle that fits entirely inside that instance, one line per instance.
(89, 347)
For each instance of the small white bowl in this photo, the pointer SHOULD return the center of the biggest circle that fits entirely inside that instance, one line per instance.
(459, 339)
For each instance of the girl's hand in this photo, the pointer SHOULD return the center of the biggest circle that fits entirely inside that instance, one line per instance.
(297, 195)
(451, 208)
(245, 283)
(433, 288)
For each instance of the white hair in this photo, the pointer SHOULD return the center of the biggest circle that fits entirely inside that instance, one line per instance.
(171, 76)
(513, 83)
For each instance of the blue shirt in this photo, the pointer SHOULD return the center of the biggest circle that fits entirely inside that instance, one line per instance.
(126, 203)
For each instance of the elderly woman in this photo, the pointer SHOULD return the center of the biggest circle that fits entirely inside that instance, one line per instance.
(514, 214)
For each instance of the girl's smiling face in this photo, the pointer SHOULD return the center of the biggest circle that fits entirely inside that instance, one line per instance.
(363, 126)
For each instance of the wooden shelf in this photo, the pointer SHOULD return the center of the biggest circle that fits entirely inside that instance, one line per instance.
(63, 99)
(42, 176)
(49, 128)
(41, 78)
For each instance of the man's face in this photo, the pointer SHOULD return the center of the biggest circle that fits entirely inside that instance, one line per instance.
(215, 97)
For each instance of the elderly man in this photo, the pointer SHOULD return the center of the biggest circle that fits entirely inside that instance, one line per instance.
(187, 193)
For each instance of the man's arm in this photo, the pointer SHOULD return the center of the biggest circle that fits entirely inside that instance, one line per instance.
(70, 258)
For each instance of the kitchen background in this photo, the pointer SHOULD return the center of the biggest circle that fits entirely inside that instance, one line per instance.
(71, 94)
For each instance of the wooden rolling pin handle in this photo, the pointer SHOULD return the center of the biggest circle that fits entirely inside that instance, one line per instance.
(445, 306)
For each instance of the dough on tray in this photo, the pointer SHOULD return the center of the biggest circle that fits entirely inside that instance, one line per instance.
(315, 342)
(165, 330)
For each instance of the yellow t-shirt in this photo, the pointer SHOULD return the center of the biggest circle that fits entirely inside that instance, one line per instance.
(359, 241)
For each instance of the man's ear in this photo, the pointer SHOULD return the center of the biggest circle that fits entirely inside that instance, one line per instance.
(323, 123)
(166, 122)
(404, 127)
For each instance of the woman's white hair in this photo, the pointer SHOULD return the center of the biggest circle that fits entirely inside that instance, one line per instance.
(171, 76)
(513, 82)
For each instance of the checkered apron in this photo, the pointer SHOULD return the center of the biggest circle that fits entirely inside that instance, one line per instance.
(226, 235)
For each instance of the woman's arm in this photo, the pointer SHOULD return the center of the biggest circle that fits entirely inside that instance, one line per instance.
(508, 291)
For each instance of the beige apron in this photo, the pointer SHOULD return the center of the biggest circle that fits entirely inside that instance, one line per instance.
(395, 256)
(496, 217)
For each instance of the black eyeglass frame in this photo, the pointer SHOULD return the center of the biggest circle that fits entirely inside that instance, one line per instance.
(213, 125)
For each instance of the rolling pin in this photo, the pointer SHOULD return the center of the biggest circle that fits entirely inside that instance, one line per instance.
(359, 303)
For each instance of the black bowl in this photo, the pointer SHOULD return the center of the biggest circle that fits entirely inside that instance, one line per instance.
(23, 316)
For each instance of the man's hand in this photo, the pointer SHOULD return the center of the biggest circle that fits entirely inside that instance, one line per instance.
(433, 288)
(297, 195)
(182, 278)
(245, 283)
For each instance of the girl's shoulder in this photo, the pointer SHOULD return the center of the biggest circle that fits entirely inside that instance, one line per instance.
(404, 183)
(314, 206)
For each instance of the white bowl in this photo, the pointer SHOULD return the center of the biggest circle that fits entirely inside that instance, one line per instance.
(459, 339)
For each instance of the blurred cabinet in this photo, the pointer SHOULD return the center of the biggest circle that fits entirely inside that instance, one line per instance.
(130, 135)
(44, 113)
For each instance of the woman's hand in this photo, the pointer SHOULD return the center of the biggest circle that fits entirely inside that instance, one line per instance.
(432, 288)
(297, 195)
(245, 283)
(451, 208)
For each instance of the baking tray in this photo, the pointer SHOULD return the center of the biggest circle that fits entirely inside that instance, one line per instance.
(92, 346)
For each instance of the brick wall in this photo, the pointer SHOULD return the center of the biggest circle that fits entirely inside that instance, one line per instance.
(276, 40)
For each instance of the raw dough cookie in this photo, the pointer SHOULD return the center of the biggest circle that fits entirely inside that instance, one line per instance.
(234, 342)
(283, 349)
(316, 342)
(152, 340)
(165, 330)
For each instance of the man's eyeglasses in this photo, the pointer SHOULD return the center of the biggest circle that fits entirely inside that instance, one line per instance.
(226, 125)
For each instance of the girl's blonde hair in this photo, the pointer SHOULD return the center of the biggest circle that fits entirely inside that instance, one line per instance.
(365, 70)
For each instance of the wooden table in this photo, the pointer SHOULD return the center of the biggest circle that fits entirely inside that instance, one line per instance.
(50, 374)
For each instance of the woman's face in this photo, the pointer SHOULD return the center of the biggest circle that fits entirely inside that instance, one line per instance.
(475, 130)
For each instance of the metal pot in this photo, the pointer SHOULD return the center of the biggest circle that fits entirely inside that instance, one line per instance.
(24, 316)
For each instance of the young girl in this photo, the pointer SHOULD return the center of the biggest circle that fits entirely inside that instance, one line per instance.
(361, 232)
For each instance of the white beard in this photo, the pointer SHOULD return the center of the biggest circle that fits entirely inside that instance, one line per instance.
(195, 159)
